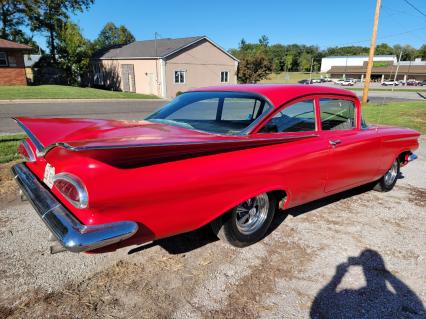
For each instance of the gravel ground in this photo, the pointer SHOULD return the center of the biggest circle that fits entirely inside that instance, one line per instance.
(359, 254)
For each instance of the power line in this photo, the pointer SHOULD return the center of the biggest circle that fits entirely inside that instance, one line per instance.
(415, 8)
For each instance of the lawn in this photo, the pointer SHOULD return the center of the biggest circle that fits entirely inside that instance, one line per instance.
(64, 92)
(8, 147)
(404, 114)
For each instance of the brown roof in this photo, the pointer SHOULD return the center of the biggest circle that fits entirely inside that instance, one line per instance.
(6, 44)
(410, 69)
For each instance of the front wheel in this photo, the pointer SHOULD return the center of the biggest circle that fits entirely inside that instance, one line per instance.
(246, 223)
(388, 181)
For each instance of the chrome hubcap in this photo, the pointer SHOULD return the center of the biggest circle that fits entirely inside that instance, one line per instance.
(391, 174)
(252, 214)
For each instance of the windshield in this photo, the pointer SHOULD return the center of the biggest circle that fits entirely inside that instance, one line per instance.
(213, 112)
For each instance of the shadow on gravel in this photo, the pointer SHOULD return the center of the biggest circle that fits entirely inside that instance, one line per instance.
(187, 242)
(306, 208)
(384, 296)
(182, 243)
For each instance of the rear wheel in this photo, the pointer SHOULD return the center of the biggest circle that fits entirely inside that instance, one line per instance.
(246, 223)
(388, 181)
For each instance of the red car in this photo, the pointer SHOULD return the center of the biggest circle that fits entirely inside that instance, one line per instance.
(231, 156)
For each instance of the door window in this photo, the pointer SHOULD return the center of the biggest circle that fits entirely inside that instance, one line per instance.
(299, 117)
(337, 114)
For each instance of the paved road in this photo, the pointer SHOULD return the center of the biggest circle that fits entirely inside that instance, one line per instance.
(123, 110)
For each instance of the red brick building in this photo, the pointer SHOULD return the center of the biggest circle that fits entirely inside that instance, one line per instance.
(12, 68)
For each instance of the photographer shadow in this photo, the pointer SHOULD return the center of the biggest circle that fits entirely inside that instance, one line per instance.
(384, 296)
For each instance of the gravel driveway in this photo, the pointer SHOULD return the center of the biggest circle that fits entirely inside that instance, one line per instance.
(359, 254)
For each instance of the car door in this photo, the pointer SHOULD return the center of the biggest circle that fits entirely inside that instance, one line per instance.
(353, 151)
(303, 162)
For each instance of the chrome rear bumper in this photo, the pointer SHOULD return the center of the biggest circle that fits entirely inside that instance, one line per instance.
(69, 232)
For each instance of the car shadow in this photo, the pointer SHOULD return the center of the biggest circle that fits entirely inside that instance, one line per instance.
(306, 208)
(383, 296)
(182, 243)
(203, 236)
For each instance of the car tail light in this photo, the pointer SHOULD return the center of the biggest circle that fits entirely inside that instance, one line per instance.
(26, 152)
(72, 189)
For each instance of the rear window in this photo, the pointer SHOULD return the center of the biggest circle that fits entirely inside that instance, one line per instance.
(213, 112)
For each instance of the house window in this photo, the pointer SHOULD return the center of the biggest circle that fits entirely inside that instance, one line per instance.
(180, 76)
(224, 77)
(3, 59)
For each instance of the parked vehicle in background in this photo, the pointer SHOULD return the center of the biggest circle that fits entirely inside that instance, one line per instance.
(423, 82)
(316, 81)
(339, 81)
(347, 83)
(229, 156)
(305, 81)
(413, 82)
(391, 83)
(327, 79)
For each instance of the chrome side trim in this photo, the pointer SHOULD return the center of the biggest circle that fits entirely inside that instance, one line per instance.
(31, 155)
(70, 233)
(274, 140)
(39, 147)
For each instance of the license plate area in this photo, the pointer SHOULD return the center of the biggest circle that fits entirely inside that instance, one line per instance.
(49, 172)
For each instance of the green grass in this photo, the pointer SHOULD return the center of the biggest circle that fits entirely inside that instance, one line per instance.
(64, 92)
(290, 77)
(8, 147)
(404, 114)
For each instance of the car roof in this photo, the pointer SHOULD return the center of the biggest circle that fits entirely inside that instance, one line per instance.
(279, 94)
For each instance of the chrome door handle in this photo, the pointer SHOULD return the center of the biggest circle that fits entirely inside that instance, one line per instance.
(334, 142)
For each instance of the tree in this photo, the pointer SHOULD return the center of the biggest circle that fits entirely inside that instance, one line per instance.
(12, 19)
(408, 53)
(305, 61)
(111, 35)
(52, 15)
(422, 52)
(74, 53)
(384, 49)
(264, 41)
(288, 60)
(277, 65)
(253, 68)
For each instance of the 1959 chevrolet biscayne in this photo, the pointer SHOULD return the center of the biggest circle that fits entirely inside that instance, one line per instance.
(231, 156)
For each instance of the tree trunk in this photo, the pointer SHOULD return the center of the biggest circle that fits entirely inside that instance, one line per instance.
(52, 43)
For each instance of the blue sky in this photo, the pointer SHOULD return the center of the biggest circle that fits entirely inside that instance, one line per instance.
(319, 22)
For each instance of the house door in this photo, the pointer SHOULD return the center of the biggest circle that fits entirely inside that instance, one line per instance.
(128, 77)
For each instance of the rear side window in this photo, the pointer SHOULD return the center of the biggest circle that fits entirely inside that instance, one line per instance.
(299, 117)
(337, 114)
(240, 109)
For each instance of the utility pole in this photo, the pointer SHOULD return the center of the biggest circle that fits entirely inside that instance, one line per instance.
(371, 55)
(310, 73)
(397, 69)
